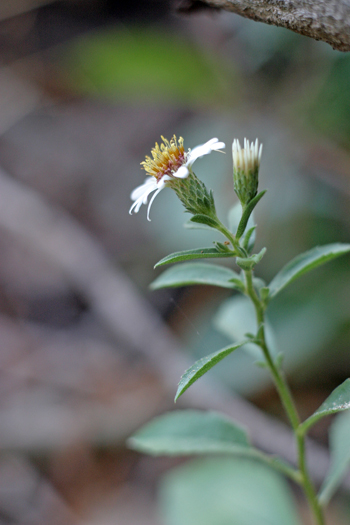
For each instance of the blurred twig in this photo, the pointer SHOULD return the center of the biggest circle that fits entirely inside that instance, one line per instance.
(27, 497)
(26, 215)
(18, 98)
(327, 20)
(10, 8)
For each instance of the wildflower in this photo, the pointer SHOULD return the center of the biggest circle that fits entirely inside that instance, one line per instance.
(246, 164)
(170, 162)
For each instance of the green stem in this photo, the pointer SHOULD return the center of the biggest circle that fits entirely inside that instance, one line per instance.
(307, 483)
(235, 243)
(279, 380)
(286, 399)
(284, 468)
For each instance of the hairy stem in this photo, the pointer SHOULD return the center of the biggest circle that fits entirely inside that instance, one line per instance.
(286, 399)
(240, 252)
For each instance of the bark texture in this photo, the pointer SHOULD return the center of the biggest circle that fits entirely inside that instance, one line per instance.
(327, 20)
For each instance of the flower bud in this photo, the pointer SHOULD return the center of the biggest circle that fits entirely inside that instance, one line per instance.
(246, 164)
(194, 195)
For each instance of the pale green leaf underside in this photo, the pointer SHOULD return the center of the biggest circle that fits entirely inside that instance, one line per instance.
(340, 456)
(196, 273)
(226, 491)
(338, 400)
(202, 366)
(305, 262)
(186, 432)
(187, 255)
(190, 225)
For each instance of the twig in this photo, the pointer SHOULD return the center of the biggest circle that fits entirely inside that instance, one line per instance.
(327, 20)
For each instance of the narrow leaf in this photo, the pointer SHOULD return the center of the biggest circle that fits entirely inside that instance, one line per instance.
(340, 456)
(304, 263)
(184, 432)
(202, 366)
(249, 239)
(338, 400)
(247, 213)
(196, 273)
(198, 253)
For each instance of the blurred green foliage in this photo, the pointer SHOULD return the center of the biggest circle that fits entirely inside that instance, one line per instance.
(140, 64)
(328, 106)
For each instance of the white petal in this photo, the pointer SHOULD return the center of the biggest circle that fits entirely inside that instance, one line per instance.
(151, 201)
(149, 185)
(135, 206)
(141, 193)
(204, 149)
(182, 172)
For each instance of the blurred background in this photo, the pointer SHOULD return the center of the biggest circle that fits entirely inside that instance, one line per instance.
(86, 89)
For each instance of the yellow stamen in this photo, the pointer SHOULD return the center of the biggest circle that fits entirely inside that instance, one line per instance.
(167, 158)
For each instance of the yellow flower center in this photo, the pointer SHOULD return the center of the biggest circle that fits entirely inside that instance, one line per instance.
(167, 158)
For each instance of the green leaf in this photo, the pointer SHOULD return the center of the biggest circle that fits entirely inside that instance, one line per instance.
(264, 293)
(247, 263)
(249, 238)
(188, 432)
(202, 366)
(304, 263)
(198, 253)
(234, 217)
(247, 213)
(226, 491)
(197, 273)
(204, 219)
(340, 456)
(185, 432)
(338, 400)
(222, 247)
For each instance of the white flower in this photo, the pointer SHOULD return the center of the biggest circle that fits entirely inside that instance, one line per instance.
(169, 161)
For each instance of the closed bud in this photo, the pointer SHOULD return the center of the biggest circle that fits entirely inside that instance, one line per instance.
(246, 164)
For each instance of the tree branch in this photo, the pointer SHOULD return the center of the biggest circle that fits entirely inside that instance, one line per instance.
(327, 20)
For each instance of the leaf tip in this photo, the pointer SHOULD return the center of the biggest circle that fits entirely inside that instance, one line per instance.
(179, 392)
(160, 263)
